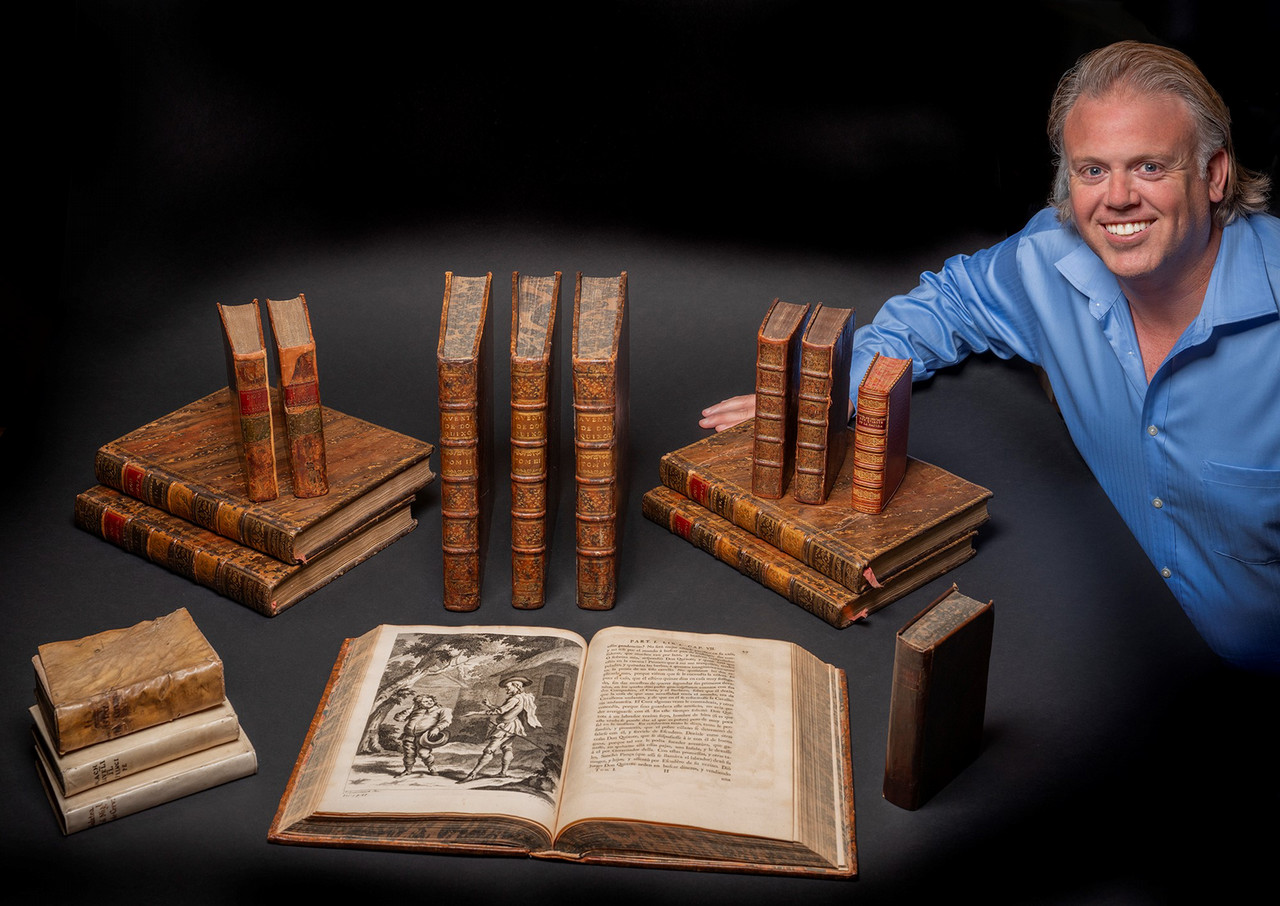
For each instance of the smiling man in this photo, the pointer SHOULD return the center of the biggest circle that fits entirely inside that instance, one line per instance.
(1149, 292)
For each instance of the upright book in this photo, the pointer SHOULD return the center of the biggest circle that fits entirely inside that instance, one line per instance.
(535, 430)
(245, 575)
(938, 698)
(880, 432)
(185, 463)
(247, 375)
(300, 391)
(464, 365)
(601, 383)
(118, 681)
(809, 589)
(856, 549)
(823, 408)
(777, 388)
(645, 748)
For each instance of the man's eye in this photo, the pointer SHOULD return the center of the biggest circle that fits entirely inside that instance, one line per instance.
(1149, 168)
(1091, 172)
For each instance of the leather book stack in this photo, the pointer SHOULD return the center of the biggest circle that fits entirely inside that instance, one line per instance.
(464, 370)
(534, 433)
(880, 432)
(600, 406)
(128, 719)
(777, 387)
(938, 698)
(823, 411)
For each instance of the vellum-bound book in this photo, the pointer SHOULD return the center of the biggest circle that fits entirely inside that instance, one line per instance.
(530, 742)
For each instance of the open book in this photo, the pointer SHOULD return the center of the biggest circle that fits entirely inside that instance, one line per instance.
(645, 747)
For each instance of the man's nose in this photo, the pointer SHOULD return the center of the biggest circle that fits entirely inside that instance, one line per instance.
(1120, 192)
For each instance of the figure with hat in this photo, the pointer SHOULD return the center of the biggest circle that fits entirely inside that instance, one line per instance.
(507, 721)
(426, 724)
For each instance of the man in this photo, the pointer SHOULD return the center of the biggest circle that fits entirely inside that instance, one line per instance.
(425, 722)
(507, 721)
(1149, 295)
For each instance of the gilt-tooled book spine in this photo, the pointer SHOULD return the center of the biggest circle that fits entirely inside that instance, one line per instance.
(534, 428)
(880, 433)
(463, 371)
(600, 404)
(777, 386)
(247, 376)
(823, 408)
(300, 391)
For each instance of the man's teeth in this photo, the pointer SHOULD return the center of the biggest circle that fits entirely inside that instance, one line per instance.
(1126, 229)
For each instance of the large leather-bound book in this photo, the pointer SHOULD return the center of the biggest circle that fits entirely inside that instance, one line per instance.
(632, 747)
(809, 589)
(300, 392)
(252, 578)
(464, 364)
(939, 696)
(932, 507)
(880, 430)
(822, 415)
(115, 682)
(777, 388)
(535, 431)
(157, 785)
(601, 383)
(186, 463)
(247, 376)
(109, 761)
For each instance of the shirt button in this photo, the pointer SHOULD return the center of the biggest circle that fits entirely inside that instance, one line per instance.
(1152, 430)
(1166, 572)
(1157, 503)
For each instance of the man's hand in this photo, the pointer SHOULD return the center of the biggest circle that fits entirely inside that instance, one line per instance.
(730, 412)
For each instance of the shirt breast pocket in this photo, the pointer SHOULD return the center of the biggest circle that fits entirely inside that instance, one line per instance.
(1244, 509)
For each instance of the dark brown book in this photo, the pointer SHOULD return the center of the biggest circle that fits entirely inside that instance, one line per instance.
(186, 464)
(822, 418)
(600, 406)
(234, 571)
(535, 430)
(777, 389)
(880, 429)
(939, 697)
(823, 597)
(247, 376)
(300, 392)
(934, 507)
(119, 681)
(464, 363)
(598, 779)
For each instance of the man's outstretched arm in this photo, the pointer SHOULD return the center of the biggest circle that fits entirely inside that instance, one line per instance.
(730, 412)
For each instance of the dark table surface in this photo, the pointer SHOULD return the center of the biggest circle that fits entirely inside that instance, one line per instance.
(1122, 763)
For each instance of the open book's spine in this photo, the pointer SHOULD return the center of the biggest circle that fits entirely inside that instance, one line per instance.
(810, 590)
(460, 477)
(201, 506)
(300, 390)
(250, 386)
(825, 554)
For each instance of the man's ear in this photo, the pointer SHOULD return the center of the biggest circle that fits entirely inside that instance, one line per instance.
(1216, 174)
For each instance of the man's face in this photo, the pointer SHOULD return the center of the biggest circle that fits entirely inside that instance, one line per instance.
(1138, 197)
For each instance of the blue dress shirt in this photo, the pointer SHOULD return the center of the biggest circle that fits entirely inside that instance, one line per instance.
(1191, 460)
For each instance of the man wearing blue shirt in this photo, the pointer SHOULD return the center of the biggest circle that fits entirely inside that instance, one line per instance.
(1150, 295)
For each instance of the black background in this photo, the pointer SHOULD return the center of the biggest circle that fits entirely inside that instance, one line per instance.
(174, 155)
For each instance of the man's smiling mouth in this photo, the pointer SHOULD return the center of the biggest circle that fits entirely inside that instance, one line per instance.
(1126, 229)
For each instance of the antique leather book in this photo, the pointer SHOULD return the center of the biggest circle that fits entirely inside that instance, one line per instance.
(880, 432)
(234, 571)
(112, 759)
(464, 363)
(247, 376)
(601, 380)
(635, 746)
(157, 785)
(809, 589)
(300, 392)
(118, 681)
(777, 387)
(186, 464)
(938, 698)
(932, 508)
(823, 407)
(535, 431)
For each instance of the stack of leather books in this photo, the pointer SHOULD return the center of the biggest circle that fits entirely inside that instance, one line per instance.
(174, 491)
(128, 719)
